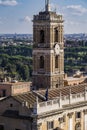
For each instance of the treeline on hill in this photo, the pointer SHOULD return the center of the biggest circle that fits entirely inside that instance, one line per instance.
(75, 56)
(16, 61)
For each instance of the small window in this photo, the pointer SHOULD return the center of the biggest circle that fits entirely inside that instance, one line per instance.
(17, 129)
(50, 125)
(3, 93)
(56, 85)
(42, 62)
(11, 105)
(55, 35)
(1, 127)
(78, 115)
(42, 36)
(56, 62)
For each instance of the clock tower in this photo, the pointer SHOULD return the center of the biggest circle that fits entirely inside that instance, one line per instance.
(48, 49)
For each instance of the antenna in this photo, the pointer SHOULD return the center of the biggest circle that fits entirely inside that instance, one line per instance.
(47, 5)
(48, 2)
(55, 9)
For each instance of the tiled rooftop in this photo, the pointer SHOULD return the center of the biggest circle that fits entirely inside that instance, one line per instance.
(30, 97)
(65, 91)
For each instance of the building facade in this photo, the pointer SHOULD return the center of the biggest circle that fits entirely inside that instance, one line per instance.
(66, 109)
(76, 79)
(9, 88)
(48, 51)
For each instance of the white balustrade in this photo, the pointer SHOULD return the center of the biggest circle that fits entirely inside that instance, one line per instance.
(59, 102)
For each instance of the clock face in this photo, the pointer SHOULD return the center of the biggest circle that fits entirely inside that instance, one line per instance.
(57, 49)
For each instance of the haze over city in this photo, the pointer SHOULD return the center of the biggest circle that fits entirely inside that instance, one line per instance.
(16, 15)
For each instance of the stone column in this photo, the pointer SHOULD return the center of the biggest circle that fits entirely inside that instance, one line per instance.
(84, 119)
(85, 94)
(70, 116)
(60, 101)
(70, 97)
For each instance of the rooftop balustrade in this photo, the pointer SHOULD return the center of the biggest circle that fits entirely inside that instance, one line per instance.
(59, 102)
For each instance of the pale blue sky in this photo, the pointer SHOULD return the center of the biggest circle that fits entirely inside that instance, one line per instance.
(16, 15)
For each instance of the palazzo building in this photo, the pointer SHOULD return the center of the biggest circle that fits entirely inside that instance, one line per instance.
(65, 109)
(56, 107)
(48, 51)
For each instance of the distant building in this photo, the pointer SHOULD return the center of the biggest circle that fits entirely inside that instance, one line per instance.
(12, 88)
(76, 79)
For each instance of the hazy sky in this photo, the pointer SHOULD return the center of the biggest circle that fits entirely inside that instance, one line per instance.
(16, 15)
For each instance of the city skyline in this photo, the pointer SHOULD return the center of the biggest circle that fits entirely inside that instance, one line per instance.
(16, 15)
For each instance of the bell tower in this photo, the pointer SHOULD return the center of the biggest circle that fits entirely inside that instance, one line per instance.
(48, 49)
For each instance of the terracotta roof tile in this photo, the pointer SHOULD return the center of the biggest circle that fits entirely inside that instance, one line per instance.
(30, 97)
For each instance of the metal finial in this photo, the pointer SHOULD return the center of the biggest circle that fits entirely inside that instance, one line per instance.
(48, 2)
(47, 5)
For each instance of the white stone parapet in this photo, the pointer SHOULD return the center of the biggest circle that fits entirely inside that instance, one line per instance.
(46, 106)
(59, 102)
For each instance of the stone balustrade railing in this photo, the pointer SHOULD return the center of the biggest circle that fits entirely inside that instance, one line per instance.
(59, 102)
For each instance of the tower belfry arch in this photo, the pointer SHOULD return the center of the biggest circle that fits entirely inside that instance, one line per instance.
(48, 49)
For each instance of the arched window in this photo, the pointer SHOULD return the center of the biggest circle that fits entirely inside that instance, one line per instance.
(55, 35)
(56, 62)
(41, 62)
(42, 36)
(78, 126)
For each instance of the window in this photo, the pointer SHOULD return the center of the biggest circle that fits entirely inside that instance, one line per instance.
(55, 35)
(17, 129)
(50, 125)
(62, 119)
(56, 85)
(42, 36)
(78, 126)
(1, 127)
(3, 92)
(78, 114)
(42, 62)
(11, 105)
(56, 62)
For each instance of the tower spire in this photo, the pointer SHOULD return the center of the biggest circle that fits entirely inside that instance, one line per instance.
(47, 5)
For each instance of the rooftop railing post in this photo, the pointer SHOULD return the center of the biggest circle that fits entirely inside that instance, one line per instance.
(70, 97)
(85, 94)
(60, 101)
